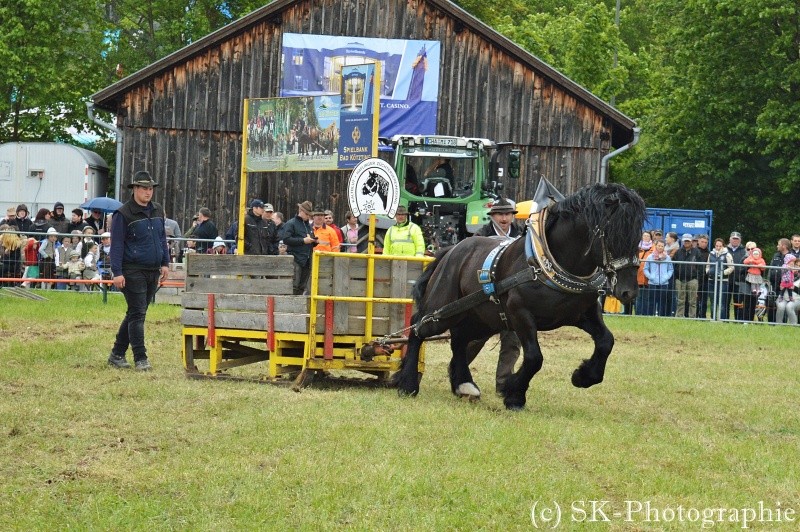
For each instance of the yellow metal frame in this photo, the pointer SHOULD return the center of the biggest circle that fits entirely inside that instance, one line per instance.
(297, 352)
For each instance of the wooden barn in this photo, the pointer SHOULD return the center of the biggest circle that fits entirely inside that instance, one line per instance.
(181, 117)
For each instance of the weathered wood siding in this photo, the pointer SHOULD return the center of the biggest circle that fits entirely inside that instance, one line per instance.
(184, 125)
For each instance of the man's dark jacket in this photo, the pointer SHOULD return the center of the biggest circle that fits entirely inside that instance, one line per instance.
(76, 226)
(205, 230)
(259, 235)
(292, 233)
(775, 274)
(138, 238)
(738, 257)
(489, 230)
(687, 272)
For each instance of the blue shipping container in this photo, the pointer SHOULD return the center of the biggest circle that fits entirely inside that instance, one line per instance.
(680, 221)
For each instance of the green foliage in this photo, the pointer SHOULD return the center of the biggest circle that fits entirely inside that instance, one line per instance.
(721, 131)
(715, 85)
(49, 57)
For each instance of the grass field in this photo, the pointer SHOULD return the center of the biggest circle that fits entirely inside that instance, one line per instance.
(692, 416)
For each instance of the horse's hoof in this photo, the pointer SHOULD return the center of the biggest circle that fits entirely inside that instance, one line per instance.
(407, 393)
(580, 380)
(515, 408)
(468, 390)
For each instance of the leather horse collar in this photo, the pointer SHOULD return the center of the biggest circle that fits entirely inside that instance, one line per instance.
(550, 273)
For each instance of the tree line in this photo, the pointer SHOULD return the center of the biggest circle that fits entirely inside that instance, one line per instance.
(712, 83)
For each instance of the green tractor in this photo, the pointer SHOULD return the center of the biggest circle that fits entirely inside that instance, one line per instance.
(448, 183)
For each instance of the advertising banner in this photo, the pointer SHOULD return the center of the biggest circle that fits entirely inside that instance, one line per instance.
(292, 134)
(358, 114)
(313, 66)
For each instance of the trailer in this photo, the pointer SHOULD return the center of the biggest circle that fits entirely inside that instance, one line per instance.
(238, 310)
(39, 174)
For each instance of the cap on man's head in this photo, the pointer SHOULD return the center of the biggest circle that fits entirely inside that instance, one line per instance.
(306, 207)
(402, 209)
(106, 235)
(736, 234)
(58, 205)
(318, 213)
(142, 179)
(686, 237)
(52, 231)
(11, 211)
(268, 207)
(256, 204)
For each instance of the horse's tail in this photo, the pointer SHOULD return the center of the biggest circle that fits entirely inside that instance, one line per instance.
(422, 282)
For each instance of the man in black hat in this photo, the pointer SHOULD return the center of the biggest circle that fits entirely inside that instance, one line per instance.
(501, 223)
(139, 260)
(298, 236)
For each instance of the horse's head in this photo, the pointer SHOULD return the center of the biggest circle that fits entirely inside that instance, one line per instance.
(370, 185)
(614, 216)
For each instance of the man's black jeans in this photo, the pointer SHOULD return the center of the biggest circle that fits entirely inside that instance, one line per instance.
(140, 289)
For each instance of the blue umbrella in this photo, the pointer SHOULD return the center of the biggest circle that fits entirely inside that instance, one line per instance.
(103, 204)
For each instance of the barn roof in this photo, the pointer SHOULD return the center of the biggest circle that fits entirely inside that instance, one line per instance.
(110, 97)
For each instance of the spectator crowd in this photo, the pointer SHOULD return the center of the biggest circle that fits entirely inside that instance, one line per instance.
(682, 277)
(679, 275)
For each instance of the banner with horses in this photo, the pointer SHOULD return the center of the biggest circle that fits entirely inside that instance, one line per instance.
(292, 134)
(313, 65)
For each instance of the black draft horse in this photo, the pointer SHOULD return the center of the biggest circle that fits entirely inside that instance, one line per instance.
(590, 242)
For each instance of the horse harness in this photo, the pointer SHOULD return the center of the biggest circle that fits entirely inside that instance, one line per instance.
(542, 268)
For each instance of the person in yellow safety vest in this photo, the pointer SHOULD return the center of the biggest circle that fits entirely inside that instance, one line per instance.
(405, 237)
(327, 239)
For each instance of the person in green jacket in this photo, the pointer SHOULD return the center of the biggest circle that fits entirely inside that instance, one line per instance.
(405, 237)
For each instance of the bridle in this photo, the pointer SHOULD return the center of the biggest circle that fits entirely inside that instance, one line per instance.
(610, 264)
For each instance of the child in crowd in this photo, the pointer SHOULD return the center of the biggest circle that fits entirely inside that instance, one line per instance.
(88, 238)
(30, 258)
(90, 271)
(787, 278)
(62, 259)
(756, 264)
(219, 247)
(75, 267)
(761, 303)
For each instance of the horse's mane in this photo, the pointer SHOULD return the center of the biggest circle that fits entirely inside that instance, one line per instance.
(618, 210)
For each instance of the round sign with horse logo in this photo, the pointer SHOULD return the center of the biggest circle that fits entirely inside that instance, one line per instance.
(373, 188)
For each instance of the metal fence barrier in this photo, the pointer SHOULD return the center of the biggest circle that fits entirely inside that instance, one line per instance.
(704, 293)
